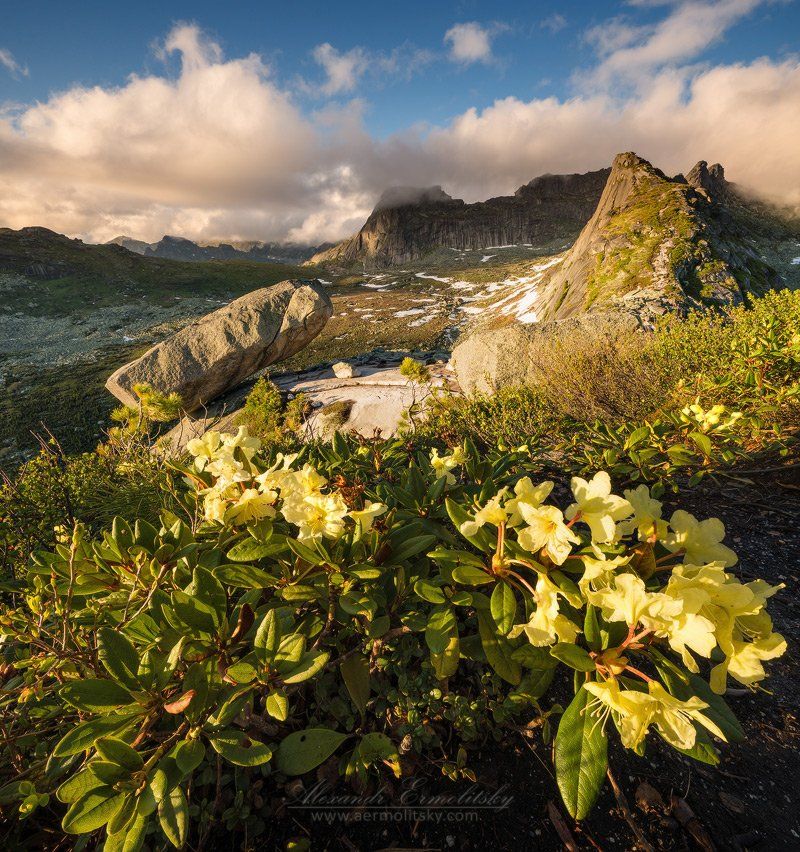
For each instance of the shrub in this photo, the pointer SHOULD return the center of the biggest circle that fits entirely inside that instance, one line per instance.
(330, 606)
(266, 415)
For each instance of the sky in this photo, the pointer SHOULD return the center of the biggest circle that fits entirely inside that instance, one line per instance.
(287, 121)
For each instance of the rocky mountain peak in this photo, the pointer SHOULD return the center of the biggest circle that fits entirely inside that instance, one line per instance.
(403, 196)
(708, 178)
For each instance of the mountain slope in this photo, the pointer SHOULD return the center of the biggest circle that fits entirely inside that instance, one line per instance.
(407, 222)
(180, 248)
(655, 243)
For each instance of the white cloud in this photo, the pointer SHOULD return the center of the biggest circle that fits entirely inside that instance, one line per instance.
(629, 51)
(470, 42)
(553, 23)
(343, 70)
(11, 65)
(220, 151)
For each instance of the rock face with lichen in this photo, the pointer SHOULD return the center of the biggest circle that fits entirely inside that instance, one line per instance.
(222, 349)
(654, 244)
(408, 222)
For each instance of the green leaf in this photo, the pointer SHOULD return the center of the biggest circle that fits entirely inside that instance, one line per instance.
(469, 575)
(355, 673)
(483, 540)
(429, 591)
(244, 577)
(574, 656)
(237, 748)
(250, 550)
(411, 547)
(277, 705)
(195, 613)
(441, 625)
(308, 665)
(503, 606)
(118, 656)
(303, 751)
(92, 811)
(119, 752)
(188, 755)
(77, 786)
(268, 637)
(702, 441)
(83, 736)
(173, 817)
(498, 650)
(95, 695)
(591, 628)
(581, 756)
(446, 664)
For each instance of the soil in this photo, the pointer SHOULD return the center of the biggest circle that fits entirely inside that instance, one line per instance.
(749, 801)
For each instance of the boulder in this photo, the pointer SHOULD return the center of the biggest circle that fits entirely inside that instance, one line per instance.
(343, 370)
(220, 350)
(512, 353)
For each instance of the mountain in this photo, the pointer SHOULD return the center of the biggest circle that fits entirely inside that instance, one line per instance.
(409, 222)
(179, 248)
(656, 242)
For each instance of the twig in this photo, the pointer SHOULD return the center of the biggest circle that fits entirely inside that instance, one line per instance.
(622, 804)
(562, 830)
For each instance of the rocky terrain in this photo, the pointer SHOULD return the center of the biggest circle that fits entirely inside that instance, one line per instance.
(629, 239)
(407, 223)
(180, 248)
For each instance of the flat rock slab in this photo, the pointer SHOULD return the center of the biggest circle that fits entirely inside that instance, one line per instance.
(375, 400)
(223, 348)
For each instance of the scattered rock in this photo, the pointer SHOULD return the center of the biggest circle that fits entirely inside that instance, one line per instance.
(219, 351)
(343, 370)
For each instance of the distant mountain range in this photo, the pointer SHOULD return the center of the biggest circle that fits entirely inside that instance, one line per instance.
(179, 248)
(409, 222)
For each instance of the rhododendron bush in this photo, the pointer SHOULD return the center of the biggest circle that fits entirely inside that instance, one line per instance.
(352, 604)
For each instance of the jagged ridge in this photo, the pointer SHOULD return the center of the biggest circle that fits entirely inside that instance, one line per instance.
(409, 222)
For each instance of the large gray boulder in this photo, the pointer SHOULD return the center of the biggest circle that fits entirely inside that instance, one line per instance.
(507, 353)
(223, 348)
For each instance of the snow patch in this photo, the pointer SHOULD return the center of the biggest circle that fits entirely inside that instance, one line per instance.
(432, 277)
(487, 257)
(409, 313)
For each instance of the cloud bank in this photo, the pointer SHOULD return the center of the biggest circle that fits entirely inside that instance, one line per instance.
(221, 151)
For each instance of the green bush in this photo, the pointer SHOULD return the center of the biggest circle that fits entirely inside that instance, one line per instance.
(160, 679)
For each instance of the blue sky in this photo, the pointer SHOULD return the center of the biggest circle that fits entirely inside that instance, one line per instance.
(477, 96)
(536, 49)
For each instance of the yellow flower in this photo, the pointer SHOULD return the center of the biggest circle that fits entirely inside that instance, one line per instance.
(598, 573)
(226, 469)
(546, 528)
(365, 517)
(242, 440)
(275, 475)
(491, 513)
(317, 515)
(736, 612)
(628, 600)
(443, 465)
(203, 448)
(214, 506)
(701, 540)
(528, 494)
(646, 518)
(546, 625)
(634, 711)
(674, 717)
(253, 505)
(631, 710)
(598, 507)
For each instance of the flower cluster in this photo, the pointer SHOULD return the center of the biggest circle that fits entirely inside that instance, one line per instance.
(663, 580)
(240, 492)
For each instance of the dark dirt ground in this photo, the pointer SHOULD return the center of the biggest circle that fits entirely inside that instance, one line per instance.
(750, 801)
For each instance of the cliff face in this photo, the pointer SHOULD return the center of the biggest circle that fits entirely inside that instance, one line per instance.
(656, 243)
(408, 222)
